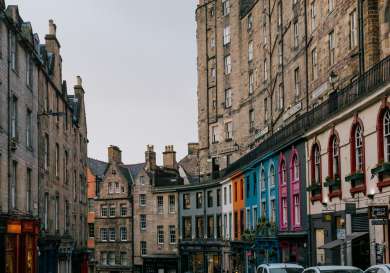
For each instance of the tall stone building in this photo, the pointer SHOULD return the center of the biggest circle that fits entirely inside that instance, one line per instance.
(19, 65)
(112, 227)
(156, 214)
(62, 135)
(263, 63)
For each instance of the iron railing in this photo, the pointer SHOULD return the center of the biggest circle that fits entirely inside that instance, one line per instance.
(360, 88)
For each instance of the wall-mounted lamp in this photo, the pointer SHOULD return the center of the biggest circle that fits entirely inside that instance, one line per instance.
(371, 196)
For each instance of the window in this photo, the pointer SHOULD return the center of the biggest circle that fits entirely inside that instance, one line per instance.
(104, 234)
(284, 211)
(250, 22)
(295, 168)
(160, 235)
(353, 32)
(265, 18)
(213, 73)
(262, 180)
(228, 98)
(143, 222)
(91, 230)
(283, 173)
(225, 223)
(210, 202)
(265, 70)
(280, 14)
(67, 216)
(226, 35)
(297, 83)
(172, 234)
(117, 188)
(123, 233)
(46, 152)
(66, 174)
(235, 191)
(251, 120)
(273, 211)
(359, 148)
(57, 155)
(112, 235)
(330, 6)
(46, 211)
(123, 210)
(272, 176)
(199, 228)
(297, 211)
(160, 204)
(229, 130)
(187, 228)
(103, 211)
(104, 258)
(14, 117)
(212, 42)
(172, 204)
(320, 241)
(143, 248)
(28, 190)
(242, 189)
(334, 157)
(248, 218)
(314, 67)
(296, 34)
(111, 258)
(280, 54)
(230, 194)
(247, 186)
(251, 83)
(225, 7)
(13, 183)
(250, 51)
(224, 195)
(214, 134)
(228, 65)
(230, 225)
(386, 135)
(142, 180)
(263, 209)
(29, 70)
(199, 200)
(218, 197)
(331, 48)
(254, 222)
(123, 258)
(112, 211)
(74, 185)
(56, 213)
(142, 200)
(313, 12)
(13, 51)
(280, 97)
(186, 201)
(317, 164)
(29, 129)
(265, 110)
(210, 226)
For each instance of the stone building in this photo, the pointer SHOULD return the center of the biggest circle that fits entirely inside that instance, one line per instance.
(112, 226)
(156, 212)
(263, 63)
(19, 65)
(62, 134)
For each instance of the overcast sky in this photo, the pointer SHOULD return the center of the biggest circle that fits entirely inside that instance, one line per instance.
(138, 64)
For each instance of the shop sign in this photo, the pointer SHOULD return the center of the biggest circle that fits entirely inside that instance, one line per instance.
(378, 212)
(327, 217)
(379, 222)
(14, 228)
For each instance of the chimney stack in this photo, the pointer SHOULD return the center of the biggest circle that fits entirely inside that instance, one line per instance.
(193, 148)
(150, 158)
(114, 154)
(52, 28)
(169, 157)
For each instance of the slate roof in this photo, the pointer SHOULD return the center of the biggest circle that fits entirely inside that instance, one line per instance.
(135, 169)
(164, 177)
(97, 167)
(190, 165)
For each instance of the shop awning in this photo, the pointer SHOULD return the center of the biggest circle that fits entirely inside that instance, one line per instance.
(339, 242)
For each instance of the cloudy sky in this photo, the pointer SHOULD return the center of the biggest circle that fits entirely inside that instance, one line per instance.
(138, 64)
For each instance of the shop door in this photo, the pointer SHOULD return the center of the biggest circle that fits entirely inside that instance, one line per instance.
(11, 254)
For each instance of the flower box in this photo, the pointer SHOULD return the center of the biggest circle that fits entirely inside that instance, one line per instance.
(355, 177)
(381, 169)
(332, 182)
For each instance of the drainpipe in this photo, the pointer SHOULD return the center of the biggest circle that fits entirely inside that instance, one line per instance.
(306, 59)
(9, 117)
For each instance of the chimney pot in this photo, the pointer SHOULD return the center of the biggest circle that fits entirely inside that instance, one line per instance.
(52, 28)
(79, 81)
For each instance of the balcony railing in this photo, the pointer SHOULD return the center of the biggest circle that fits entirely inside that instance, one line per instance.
(365, 85)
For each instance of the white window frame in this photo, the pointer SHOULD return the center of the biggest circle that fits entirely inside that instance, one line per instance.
(386, 135)
(227, 65)
(225, 7)
(160, 234)
(143, 222)
(226, 35)
(123, 234)
(172, 204)
(250, 51)
(353, 31)
(172, 234)
(142, 200)
(359, 148)
(228, 98)
(229, 130)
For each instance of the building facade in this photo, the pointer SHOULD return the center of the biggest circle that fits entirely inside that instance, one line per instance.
(263, 63)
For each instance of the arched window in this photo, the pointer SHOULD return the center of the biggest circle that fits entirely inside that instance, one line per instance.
(295, 167)
(359, 148)
(272, 176)
(283, 173)
(386, 135)
(262, 180)
(334, 157)
(316, 165)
